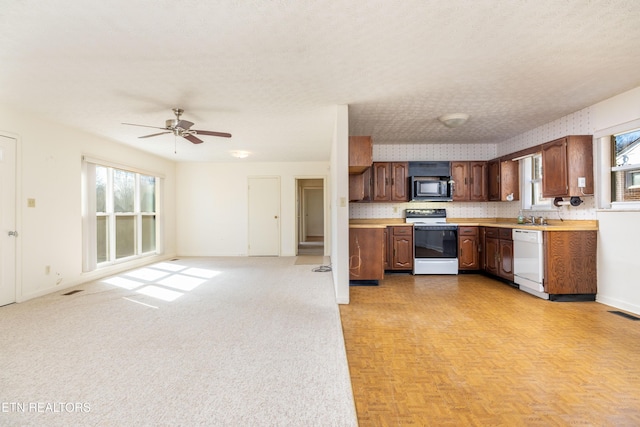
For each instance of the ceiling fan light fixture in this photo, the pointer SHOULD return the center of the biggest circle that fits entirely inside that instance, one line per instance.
(453, 120)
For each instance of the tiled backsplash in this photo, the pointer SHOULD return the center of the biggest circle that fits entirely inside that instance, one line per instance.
(573, 124)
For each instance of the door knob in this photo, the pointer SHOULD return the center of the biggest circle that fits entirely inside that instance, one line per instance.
(13, 233)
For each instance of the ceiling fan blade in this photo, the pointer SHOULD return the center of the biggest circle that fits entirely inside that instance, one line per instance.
(184, 124)
(144, 126)
(154, 134)
(208, 132)
(193, 139)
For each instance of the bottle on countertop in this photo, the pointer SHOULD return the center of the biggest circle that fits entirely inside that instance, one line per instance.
(520, 218)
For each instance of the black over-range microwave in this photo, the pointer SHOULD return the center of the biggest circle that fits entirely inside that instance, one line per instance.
(431, 188)
(431, 181)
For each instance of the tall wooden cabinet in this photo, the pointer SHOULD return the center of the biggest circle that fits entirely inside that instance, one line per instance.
(564, 160)
(470, 181)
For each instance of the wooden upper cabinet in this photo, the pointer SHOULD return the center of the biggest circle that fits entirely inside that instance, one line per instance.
(360, 154)
(399, 187)
(563, 162)
(381, 182)
(390, 182)
(503, 180)
(460, 177)
(360, 187)
(478, 187)
(510, 180)
(470, 181)
(493, 184)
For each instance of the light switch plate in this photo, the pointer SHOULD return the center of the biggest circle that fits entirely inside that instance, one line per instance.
(31, 203)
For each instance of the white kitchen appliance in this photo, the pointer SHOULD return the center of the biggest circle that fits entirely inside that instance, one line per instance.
(528, 265)
(435, 241)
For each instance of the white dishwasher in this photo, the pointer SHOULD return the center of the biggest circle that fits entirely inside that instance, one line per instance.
(528, 261)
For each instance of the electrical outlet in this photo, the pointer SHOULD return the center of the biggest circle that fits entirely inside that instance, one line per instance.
(31, 203)
(582, 182)
(47, 269)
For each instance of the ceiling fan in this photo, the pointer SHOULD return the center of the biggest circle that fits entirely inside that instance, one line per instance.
(182, 128)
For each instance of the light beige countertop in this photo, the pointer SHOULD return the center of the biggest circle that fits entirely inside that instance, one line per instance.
(553, 224)
(377, 223)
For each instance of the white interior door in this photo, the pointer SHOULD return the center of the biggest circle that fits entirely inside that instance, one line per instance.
(7, 220)
(264, 216)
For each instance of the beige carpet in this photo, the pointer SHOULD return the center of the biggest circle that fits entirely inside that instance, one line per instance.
(311, 260)
(196, 341)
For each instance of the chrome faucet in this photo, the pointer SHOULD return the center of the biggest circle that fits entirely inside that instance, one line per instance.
(533, 219)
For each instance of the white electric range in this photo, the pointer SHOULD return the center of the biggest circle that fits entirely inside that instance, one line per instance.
(435, 241)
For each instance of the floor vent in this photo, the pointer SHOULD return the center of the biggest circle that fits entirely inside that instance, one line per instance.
(73, 292)
(625, 315)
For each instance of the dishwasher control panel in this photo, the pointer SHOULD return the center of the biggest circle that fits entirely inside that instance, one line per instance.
(533, 236)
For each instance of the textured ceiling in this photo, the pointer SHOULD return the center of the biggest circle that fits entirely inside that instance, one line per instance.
(271, 72)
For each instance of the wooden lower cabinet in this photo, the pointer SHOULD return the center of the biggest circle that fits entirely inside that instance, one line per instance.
(469, 248)
(366, 253)
(499, 252)
(399, 252)
(505, 260)
(569, 259)
(570, 262)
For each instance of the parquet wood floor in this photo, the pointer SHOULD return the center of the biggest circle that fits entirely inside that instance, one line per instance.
(468, 350)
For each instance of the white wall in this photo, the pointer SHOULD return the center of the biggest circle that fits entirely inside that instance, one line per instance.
(49, 171)
(340, 205)
(212, 205)
(619, 231)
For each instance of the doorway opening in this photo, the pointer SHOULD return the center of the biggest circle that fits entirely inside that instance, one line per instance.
(310, 206)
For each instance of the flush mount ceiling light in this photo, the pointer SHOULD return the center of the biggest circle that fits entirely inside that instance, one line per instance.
(453, 120)
(240, 154)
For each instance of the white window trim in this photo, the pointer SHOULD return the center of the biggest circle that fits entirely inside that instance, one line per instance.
(89, 262)
(603, 169)
(526, 187)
